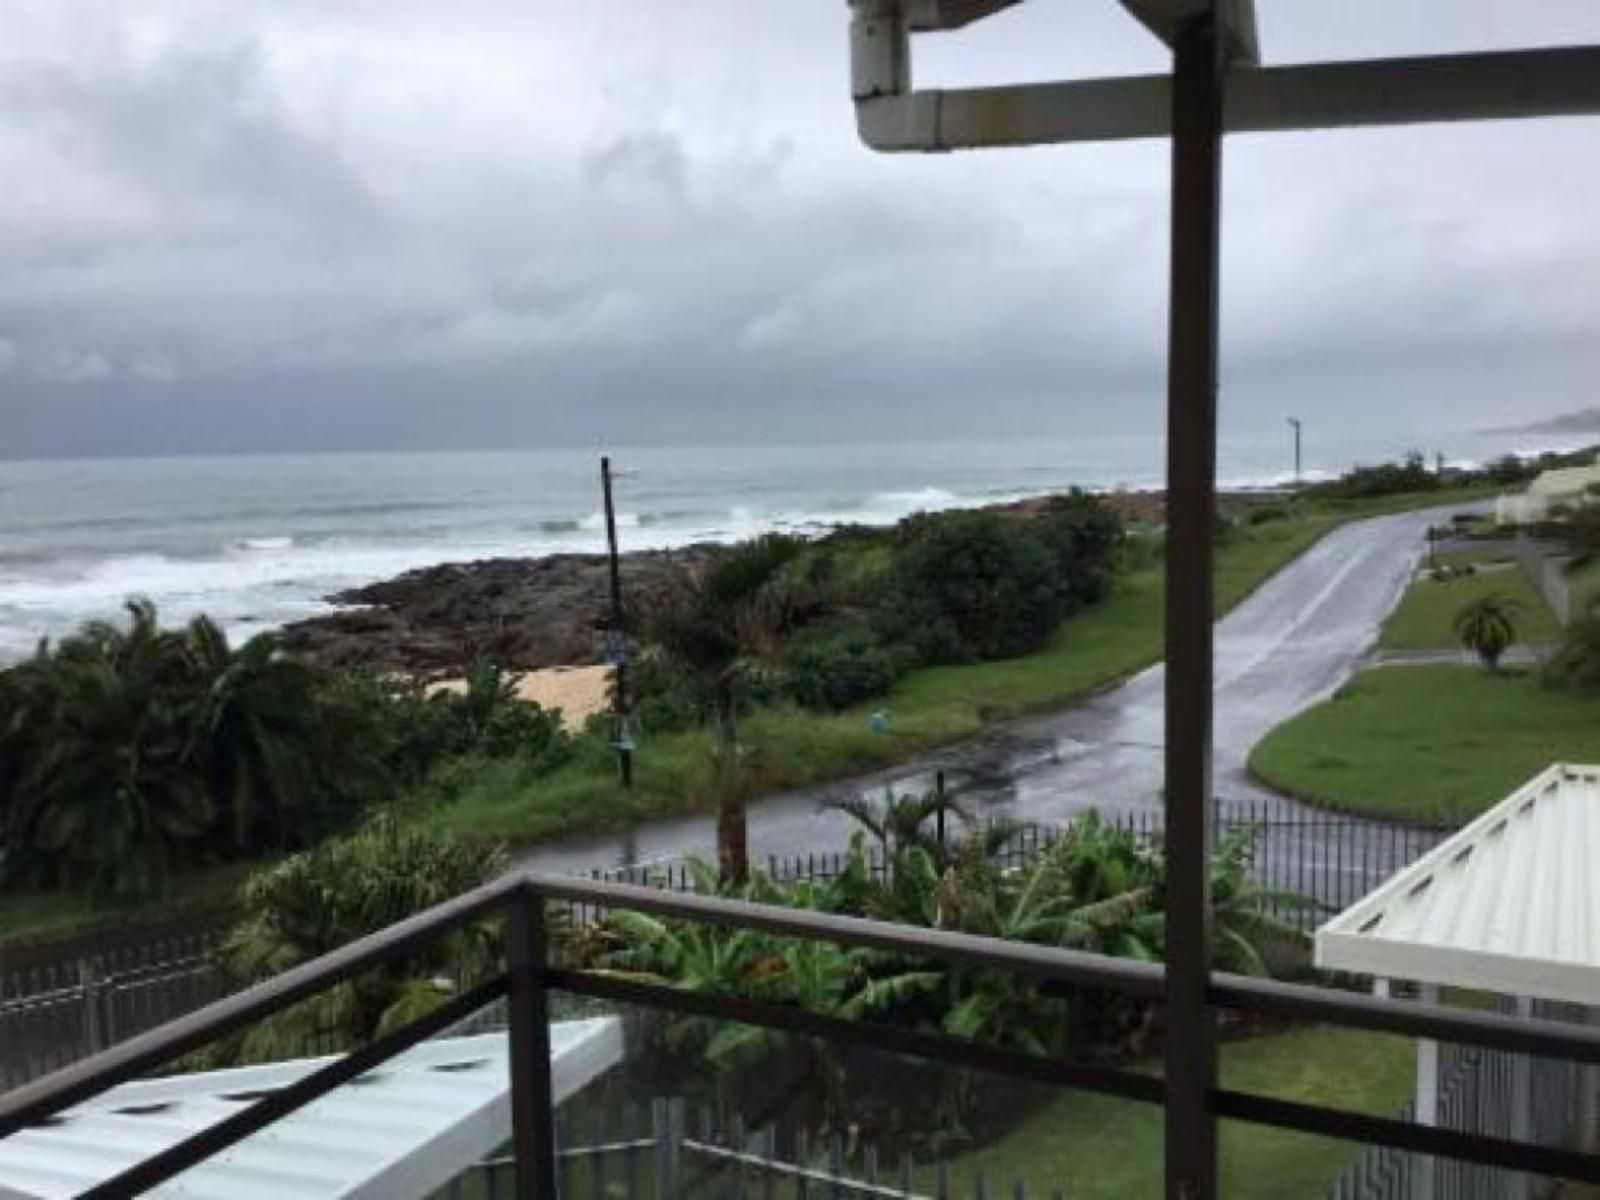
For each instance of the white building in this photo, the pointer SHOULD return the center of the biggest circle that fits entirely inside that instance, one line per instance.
(1568, 486)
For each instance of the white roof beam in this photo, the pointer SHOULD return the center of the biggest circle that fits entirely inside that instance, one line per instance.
(1501, 85)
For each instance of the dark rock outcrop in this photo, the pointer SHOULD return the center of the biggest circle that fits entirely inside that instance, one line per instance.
(526, 613)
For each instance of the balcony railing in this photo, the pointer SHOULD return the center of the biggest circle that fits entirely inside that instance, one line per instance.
(531, 976)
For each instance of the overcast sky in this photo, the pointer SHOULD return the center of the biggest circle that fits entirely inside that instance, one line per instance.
(347, 224)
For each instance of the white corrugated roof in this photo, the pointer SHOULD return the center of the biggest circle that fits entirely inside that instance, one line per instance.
(1509, 904)
(403, 1130)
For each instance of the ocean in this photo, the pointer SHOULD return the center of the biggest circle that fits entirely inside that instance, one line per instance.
(258, 541)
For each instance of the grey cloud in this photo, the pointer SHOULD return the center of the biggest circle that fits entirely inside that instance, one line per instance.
(408, 224)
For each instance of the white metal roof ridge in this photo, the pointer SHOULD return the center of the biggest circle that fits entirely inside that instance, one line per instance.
(1508, 904)
(404, 1129)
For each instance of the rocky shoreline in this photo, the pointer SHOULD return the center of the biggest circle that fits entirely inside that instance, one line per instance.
(526, 613)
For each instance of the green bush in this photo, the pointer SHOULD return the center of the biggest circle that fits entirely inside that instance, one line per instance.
(969, 585)
(1384, 479)
(316, 901)
(524, 731)
(1085, 538)
(423, 729)
(833, 670)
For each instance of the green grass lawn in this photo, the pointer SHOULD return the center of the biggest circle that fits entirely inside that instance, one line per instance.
(1427, 744)
(1102, 1148)
(1422, 621)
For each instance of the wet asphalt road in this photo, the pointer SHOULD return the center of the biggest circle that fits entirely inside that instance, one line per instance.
(1286, 647)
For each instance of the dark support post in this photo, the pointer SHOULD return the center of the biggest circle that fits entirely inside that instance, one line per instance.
(619, 680)
(1191, 1053)
(533, 1137)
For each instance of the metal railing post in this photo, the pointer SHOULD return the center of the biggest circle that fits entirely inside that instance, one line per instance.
(532, 1106)
(1191, 1053)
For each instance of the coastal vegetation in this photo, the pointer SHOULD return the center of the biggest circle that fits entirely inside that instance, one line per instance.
(351, 885)
(131, 753)
(778, 623)
(786, 744)
(1097, 889)
(856, 681)
(1431, 745)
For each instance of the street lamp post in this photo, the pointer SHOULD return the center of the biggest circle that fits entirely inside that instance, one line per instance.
(1296, 423)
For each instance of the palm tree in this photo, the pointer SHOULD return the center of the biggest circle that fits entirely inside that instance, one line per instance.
(900, 821)
(1486, 626)
(129, 750)
(725, 628)
(113, 787)
(274, 758)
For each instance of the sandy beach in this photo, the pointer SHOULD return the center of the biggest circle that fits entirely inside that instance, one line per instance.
(577, 692)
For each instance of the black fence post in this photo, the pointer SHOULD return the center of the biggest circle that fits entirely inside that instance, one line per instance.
(532, 1102)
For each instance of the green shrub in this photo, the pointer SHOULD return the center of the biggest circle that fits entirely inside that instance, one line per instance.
(524, 731)
(969, 585)
(316, 901)
(1384, 479)
(1267, 514)
(833, 670)
(1085, 538)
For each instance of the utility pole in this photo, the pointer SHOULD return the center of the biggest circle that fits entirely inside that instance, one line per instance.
(1296, 422)
(618, 639)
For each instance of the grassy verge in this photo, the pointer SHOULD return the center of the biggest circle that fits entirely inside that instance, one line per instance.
(1098, 1146)
(1434, 745)
(928, 708)
(1422, 620)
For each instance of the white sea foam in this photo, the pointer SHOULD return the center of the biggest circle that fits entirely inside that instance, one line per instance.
(596, 521)
(263, 543)
(928, 499)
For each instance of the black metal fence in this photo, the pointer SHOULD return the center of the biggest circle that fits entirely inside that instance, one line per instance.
(64, 1002)
(91, 993)
(668, 1149)
(1331, 857)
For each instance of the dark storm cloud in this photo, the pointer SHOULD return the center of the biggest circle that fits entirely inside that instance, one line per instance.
(298, 225)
